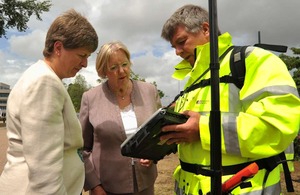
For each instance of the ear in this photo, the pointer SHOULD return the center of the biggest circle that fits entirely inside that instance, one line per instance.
(205, 28)
(57, 47)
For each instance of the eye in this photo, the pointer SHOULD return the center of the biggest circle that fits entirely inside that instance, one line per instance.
(125, 64)
(113, 68)
(181, 42)
(83, 56)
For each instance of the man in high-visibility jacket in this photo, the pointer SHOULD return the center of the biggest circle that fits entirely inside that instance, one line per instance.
(257, 122)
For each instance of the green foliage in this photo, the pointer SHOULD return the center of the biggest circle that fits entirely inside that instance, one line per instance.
(160, 93)
(295, 50)
(76, 90)
(16, 13)
(293, 64)
(134, 76)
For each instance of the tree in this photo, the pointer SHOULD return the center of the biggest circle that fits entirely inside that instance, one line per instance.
(76, 90)
(138, 78)
(16, 13)
(293, 65)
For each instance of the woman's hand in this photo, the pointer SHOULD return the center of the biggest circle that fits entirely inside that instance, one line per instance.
(98, 190)
(145, 162)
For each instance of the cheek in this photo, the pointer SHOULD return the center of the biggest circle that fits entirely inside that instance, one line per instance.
(189, 48)
(74, 60)
(111, 76)
(128, 71)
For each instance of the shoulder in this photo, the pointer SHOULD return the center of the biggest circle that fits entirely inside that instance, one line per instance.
(39, 77)
(258, 58)
(143, 84)
(94, 90)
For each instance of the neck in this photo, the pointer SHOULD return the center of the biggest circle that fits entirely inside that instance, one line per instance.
(51, 64)
(122, 92)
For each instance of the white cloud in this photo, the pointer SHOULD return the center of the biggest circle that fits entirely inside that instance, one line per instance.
(28, 46)
(138, 24)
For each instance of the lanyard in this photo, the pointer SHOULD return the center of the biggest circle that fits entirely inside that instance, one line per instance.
(196, 85)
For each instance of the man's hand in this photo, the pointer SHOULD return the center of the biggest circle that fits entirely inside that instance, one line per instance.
(186, 132)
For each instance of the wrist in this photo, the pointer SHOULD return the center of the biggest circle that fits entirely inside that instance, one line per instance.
(97, 187)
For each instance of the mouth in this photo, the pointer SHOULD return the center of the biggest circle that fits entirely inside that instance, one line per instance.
(187, 57)
(190, 59)
(77, 69)
(122, 78)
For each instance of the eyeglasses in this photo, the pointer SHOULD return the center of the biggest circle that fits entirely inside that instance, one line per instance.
(115, 68)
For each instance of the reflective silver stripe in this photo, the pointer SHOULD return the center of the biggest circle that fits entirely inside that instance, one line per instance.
(274, 90)
(230, 134)
(179, 191)
(237, 56)
(271, 190)
(290, 149)
(235, 105)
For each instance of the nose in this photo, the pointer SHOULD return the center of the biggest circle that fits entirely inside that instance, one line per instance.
(178, 50)
(84, 62)
(121, 69)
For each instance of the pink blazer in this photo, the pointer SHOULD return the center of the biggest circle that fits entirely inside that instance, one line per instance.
(103, 133)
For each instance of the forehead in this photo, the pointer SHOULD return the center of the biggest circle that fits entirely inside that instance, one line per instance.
(80, 50)
(179, 33)
(117, 56)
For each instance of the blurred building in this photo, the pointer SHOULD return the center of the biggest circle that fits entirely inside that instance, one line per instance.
(4, 92)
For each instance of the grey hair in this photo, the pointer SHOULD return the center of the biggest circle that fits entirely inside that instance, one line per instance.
(190, 16)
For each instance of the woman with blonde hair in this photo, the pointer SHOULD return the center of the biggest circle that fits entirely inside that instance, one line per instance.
(110, 113)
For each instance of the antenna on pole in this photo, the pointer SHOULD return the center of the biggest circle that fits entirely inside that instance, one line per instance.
(271, 47)
(215, 115)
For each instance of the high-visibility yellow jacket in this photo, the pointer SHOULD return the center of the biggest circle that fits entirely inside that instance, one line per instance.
(258, 121)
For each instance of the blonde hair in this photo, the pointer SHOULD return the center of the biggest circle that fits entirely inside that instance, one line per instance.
(105, 53)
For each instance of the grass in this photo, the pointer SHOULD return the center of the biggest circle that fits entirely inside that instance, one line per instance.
(164, 184)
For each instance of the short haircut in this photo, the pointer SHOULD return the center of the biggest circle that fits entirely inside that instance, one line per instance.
(105, 53)
(190, 16)
(73, 30)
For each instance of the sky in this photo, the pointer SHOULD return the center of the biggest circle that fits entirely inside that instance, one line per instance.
(138, 24)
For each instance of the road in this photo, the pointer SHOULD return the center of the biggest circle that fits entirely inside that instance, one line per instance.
(3, 146)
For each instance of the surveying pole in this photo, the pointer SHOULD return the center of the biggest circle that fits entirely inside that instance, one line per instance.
(215, 115)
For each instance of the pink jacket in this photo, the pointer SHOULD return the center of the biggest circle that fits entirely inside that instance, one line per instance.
(103, 133)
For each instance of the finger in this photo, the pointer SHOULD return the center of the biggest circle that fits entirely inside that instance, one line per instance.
(174, 128)
(174, 141)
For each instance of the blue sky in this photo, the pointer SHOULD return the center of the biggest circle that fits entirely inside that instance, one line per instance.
(138, 24)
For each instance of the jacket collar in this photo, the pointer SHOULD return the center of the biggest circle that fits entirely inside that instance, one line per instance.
(184, 68)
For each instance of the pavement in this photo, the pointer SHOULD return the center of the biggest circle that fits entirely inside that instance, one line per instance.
(3, 146)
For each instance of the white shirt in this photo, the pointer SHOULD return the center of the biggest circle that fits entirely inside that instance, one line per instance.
(129, 120)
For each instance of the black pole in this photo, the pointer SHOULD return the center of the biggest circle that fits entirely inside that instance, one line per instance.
(215, 116)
